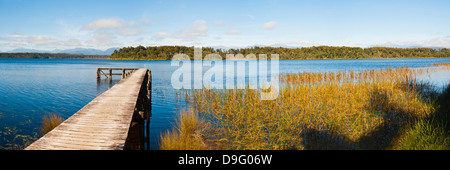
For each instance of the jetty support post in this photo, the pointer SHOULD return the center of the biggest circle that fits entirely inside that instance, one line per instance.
(139, 138)
(98, 73)
(148, 109)
(110, 74)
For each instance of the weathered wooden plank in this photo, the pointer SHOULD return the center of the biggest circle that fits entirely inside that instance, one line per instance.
(102, 124)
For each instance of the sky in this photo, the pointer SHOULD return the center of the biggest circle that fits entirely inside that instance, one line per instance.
(103, 24)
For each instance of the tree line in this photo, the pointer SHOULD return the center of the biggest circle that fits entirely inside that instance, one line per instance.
(319, 52)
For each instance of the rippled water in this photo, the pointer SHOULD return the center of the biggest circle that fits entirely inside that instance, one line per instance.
(30, 88)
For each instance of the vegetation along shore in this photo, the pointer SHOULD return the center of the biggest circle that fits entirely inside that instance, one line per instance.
(372, 109)
(320, 52)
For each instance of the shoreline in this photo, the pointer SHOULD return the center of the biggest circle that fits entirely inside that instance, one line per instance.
(109, 57)
(225, 59)
(305, 59)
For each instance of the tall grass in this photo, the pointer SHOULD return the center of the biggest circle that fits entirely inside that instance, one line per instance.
(186, 135)
(49, 122)
(423, 135)
(316, 111)
(442, 64)
(363, 75)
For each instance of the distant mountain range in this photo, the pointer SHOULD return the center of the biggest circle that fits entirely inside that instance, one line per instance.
(83, 51)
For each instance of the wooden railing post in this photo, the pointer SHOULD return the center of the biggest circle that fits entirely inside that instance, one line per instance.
(149, 104)
(125, 72)
(98, 73)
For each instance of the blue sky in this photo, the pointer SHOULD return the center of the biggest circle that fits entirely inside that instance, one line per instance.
(102, 24)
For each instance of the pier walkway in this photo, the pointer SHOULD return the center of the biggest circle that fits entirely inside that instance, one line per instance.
(104, 123)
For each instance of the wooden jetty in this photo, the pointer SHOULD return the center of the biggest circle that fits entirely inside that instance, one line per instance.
(125, 72)
(106, 123)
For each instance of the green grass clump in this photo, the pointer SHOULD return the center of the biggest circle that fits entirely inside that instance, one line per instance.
(424, 135)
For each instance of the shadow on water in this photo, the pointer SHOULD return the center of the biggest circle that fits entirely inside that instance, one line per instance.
(444, 109)
(395, 119)
(139, 132)
(103, 84)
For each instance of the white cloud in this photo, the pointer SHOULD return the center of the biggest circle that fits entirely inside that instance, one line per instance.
(18, 32)
(218, 22)
(197, 29)
(162, 35)
(234, 32)
(119, 25)
(301, 43)
(133, 23)
(144, 20)
(42, 40)
(441, 41)
(270, 25)
(128, 31)
(434, 42)
(108, 23)
(251, 17)
(102, 39)
(37, 41)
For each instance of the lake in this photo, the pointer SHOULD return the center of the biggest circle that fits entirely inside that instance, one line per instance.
(31, 88)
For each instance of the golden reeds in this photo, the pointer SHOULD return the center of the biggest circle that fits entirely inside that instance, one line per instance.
(49, 122)
(186, 135)
(442, 64)
(381, 74)
(344, 110)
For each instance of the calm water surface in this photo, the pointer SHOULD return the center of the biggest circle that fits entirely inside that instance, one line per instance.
(31, 88)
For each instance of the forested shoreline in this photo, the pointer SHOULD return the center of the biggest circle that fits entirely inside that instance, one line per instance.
(319, 52)
(52, 56)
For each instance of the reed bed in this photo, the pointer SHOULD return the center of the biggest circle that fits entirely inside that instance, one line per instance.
(442, 64)
(186, 134)
(363, 75)
(318, 111)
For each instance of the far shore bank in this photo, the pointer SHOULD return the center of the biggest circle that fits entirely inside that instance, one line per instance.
(296, 59)
(130, 59)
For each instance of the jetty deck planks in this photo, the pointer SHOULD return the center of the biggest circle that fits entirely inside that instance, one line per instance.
(103, 124)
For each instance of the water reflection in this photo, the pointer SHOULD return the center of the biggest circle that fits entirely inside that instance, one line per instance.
(105, 84)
